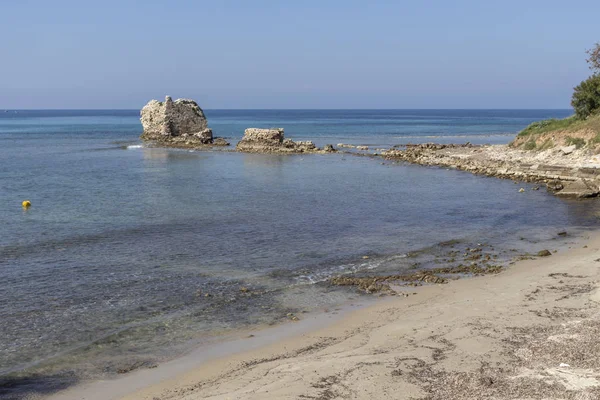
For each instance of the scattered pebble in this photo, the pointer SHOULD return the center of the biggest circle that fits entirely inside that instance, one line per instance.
(292, 317)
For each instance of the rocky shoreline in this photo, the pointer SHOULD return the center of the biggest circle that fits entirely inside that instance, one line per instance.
(458, 260)
(567, 172)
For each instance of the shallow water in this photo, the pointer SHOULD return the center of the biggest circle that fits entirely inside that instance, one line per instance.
(132, 255)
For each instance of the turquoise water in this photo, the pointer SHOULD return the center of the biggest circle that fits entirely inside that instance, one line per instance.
(111, 266)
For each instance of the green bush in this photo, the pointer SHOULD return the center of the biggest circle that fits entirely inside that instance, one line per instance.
(578, 142)
(586, 98)
(548, 144)
(530, 145)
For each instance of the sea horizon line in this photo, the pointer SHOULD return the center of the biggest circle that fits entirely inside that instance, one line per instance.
(298, 109)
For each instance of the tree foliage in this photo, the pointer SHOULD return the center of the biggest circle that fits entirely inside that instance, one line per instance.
(593, 59)
(586, 97)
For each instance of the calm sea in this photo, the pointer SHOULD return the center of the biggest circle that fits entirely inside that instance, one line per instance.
(132, 255)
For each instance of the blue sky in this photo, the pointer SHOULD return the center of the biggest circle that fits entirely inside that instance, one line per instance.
(295, 54)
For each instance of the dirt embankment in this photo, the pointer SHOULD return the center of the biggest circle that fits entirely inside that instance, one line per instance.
(553, 133)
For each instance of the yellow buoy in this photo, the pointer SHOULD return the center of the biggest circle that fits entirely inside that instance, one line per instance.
(26, 204)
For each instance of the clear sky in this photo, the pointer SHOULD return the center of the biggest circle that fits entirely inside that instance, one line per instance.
(295, 54)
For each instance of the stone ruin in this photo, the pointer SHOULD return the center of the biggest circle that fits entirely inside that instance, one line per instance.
(272, 141)
(178, 122)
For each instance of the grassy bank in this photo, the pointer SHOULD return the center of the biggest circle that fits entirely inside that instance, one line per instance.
(546, 134)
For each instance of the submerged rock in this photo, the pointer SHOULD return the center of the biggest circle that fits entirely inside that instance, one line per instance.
(554, 185)
(257, 140)
(180, 122)
(544, 253)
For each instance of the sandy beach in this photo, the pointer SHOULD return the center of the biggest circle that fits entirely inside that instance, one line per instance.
(529, 332)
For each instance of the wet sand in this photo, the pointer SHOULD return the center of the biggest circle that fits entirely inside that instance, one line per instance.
(530, 332)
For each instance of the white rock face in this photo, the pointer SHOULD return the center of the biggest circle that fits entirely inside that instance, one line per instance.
(182, 117)
(273, 136)
(566, 150)
(257, 140)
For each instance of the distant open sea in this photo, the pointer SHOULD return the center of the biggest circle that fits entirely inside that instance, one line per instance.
(132, 255)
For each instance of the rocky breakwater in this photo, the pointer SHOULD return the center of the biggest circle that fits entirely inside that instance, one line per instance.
(272, 141)
(179, 123)
(566, 172)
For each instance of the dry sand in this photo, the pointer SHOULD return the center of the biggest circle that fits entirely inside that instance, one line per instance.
(531, 332)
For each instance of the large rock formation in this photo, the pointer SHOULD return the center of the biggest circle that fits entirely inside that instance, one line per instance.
(179, 122)
(272, 141)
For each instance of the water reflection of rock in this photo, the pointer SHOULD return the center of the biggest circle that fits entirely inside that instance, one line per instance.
(165, 155)
(155, 154)
(265, 167)
(169, 176)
